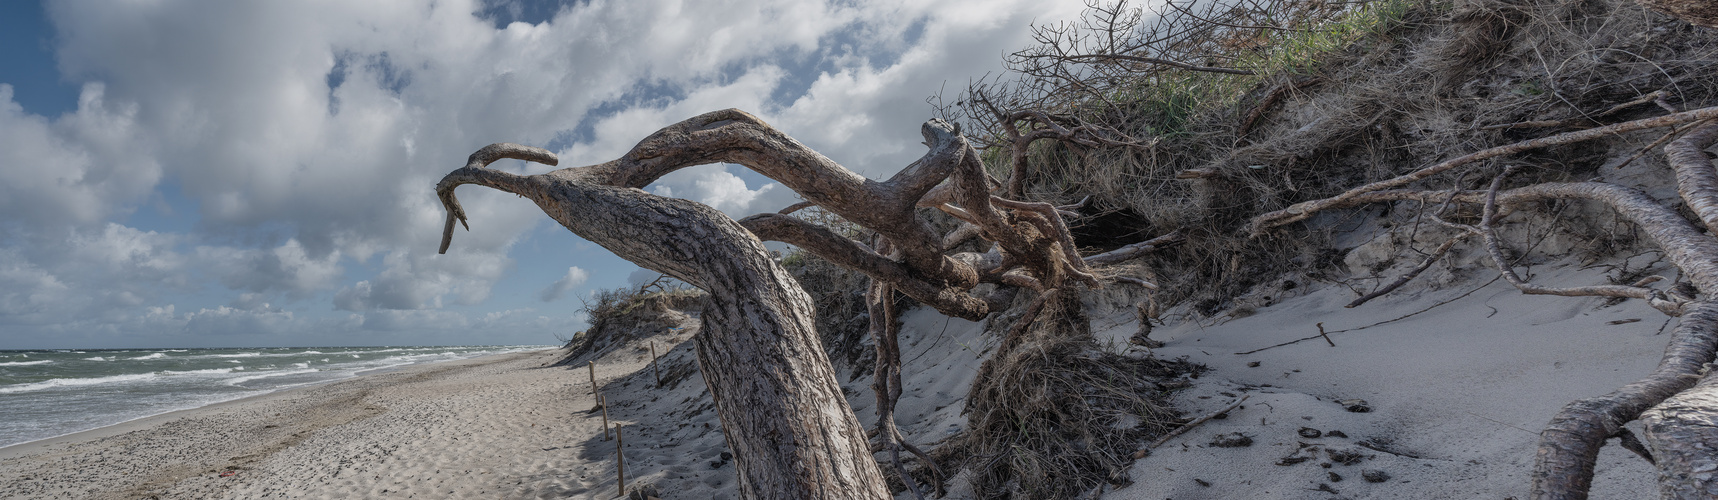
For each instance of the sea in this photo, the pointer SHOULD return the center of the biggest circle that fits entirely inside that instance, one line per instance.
(50, 393)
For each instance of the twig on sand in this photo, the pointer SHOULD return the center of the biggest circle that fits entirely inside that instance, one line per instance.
(1322, 334)
(1190, 425)
(1392, 320)
(1424, 264)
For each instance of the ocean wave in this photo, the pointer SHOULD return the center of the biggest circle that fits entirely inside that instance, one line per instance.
(209, 371)
(67, 382)
(158, 355)
(241, 380)
(97, 358)
(26, 363)
(239, 355)
(311, 352)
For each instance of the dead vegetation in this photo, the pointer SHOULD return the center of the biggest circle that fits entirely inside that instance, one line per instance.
(621, 315)
(1229, 120)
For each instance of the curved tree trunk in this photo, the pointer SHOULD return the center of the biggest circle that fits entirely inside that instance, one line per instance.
(782, 410)
(1682, 431)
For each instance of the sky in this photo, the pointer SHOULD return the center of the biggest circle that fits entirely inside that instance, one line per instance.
(235, 174)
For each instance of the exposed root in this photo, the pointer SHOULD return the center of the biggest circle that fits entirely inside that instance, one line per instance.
(1052, 416)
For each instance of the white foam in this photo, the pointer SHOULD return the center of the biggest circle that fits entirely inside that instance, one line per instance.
(26, 363)
(97, 358)
(201, 372)
(158, 355)
(68, 382)
(241, 380)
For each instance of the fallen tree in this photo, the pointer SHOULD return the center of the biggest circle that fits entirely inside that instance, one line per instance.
(758, 348)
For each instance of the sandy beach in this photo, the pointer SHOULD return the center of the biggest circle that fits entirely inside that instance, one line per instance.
(501, 426)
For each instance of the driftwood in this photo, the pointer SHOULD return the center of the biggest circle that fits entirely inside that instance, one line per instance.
(1680, 429)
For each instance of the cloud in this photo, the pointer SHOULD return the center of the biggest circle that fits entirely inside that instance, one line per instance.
(287, 267)
(560, 287)
(414, 281)
(78, 170)
(297, 142)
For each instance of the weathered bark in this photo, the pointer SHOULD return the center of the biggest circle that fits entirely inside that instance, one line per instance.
(734, 136)
(1135, 250)
(1682, 431)
(886, 384)
(1696, 12)
(847, 253)
(1033, 249)
(782, 410)
(1696, 180)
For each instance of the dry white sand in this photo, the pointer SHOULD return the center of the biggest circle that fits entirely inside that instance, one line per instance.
(1457, 395)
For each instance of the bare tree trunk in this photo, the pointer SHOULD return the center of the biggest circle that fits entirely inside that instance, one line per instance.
(783, 413)
(1682, 431)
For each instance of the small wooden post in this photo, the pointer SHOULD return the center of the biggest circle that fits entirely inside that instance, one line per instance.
(653, 368)
(593, 377)
(603, 402)
(619, 460)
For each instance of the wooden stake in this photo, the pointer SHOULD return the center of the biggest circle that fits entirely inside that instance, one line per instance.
(1326, 336)
(619, 460)
(653, 368)
(603, 402)
(593, 377)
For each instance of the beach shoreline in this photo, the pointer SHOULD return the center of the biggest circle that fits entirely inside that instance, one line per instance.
(144, 421)
(292, 442)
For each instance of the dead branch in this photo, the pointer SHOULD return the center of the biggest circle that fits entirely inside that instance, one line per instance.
(1493, 246)
(1135, 250)
(1300, 211)
(1154, 60)
(1411, 274)
(1196, 422)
